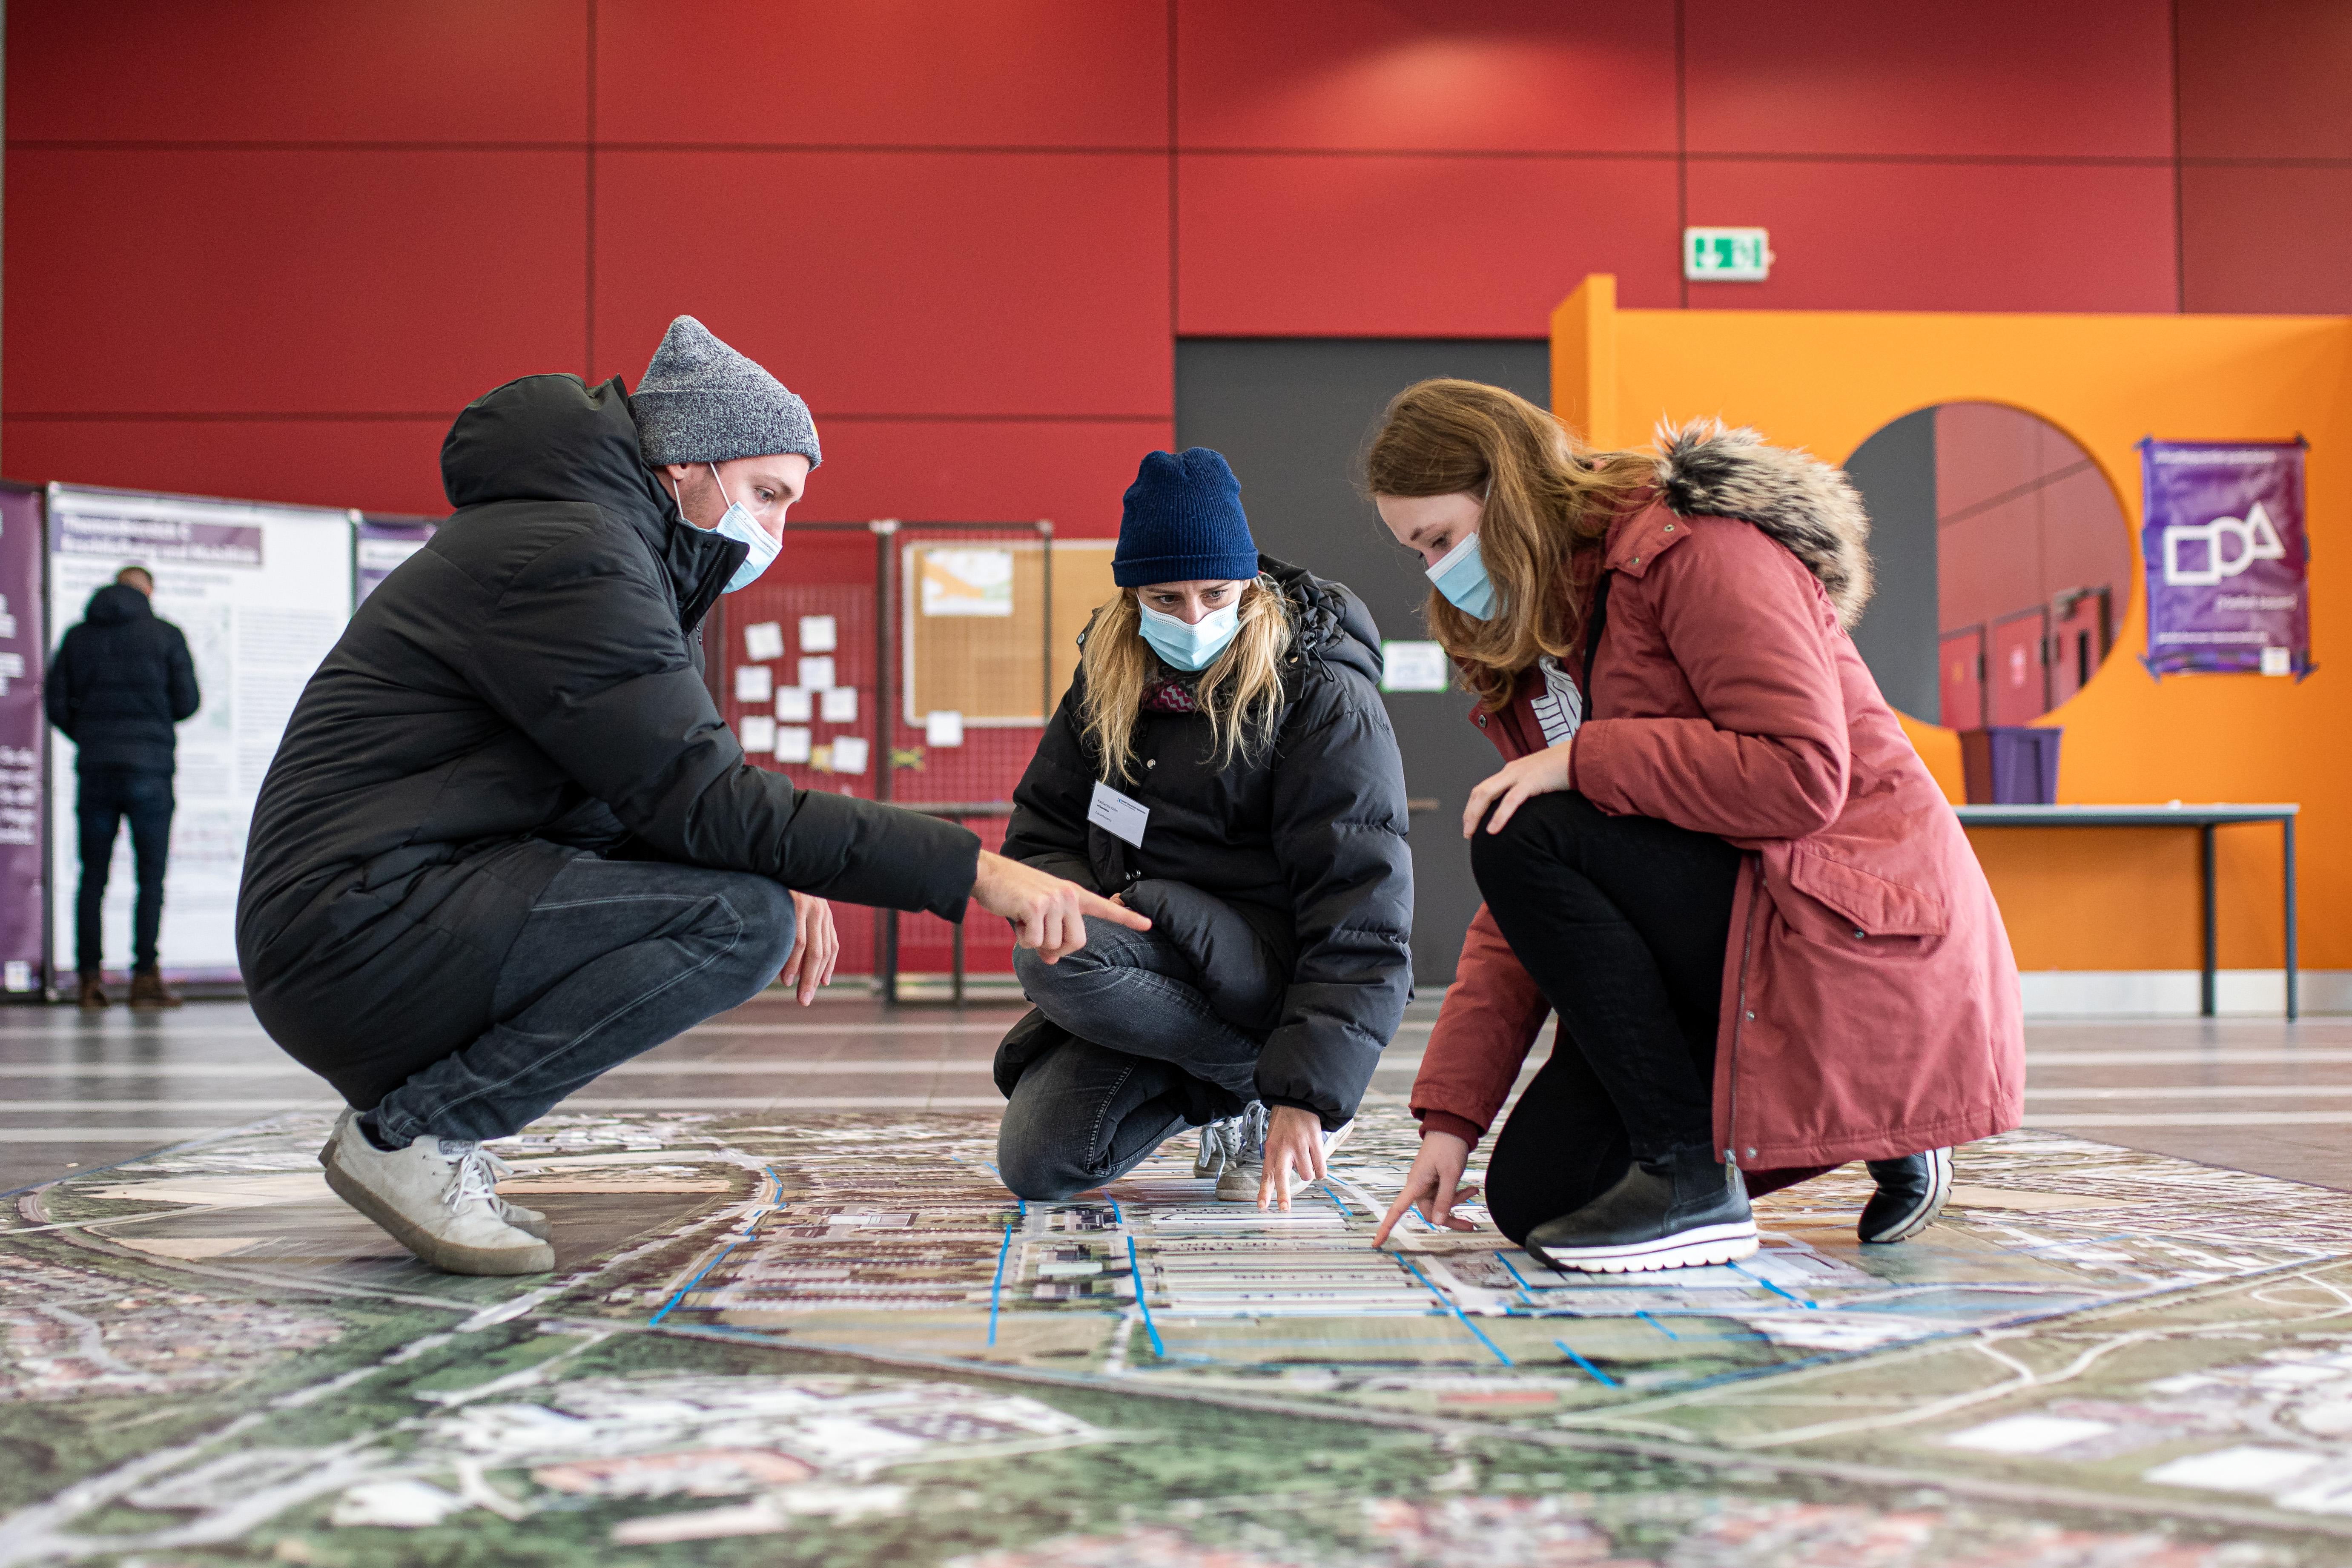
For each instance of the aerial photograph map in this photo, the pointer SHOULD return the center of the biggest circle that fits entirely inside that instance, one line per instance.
(840, 1341)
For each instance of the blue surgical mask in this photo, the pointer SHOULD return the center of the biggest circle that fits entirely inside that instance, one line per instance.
(739, 524)
(1193, 646)
(1461, 575)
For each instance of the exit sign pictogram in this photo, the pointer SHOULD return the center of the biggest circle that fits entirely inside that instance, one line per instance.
(1726, 255)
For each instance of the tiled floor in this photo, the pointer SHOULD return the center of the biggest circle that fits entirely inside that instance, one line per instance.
(79, 1090)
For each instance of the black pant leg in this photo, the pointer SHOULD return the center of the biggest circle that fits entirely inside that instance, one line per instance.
(1622, 921)
(147, 803)
(98, 809)
(1563, 1146)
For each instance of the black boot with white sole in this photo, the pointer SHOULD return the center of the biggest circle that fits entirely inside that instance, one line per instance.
(1911, 1194)
(1681, 1212)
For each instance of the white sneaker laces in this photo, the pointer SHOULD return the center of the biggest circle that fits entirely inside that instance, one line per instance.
(477, 1179)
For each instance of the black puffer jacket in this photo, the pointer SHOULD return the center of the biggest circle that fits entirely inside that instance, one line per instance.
(118, 682)
(1285, 878)
(527, 686)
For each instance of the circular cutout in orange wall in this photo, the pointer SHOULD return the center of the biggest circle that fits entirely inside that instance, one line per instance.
(2004, 564)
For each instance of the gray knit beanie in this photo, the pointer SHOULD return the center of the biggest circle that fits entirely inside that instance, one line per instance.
(701, 402)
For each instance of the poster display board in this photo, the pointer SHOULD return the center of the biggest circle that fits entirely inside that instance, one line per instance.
(262, 593)
(23, 652)
(380, 542)
(975, 641)
(2227, 560)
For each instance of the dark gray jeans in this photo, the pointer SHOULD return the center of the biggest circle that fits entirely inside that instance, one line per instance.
(616, 957)
(1092, 1109)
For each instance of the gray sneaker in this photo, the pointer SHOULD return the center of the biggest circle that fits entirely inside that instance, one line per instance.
(1241, 1182)
(435, 1198)
(1221, 1148)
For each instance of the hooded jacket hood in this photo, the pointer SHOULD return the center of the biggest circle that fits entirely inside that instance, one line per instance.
(1331, 622)
(118, 603)
(1707, 469)
(556, 438)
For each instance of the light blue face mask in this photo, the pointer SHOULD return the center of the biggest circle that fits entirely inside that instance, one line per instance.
(1190, 647)
(1461, 575)
(737, 525)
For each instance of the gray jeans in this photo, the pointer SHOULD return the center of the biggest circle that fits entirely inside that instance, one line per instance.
(616, 957)
(1095, 1106)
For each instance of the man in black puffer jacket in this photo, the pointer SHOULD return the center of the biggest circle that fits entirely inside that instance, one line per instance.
(120, 682)
(508, 841)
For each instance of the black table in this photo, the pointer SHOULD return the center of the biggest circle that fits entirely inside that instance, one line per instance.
(2204, 818)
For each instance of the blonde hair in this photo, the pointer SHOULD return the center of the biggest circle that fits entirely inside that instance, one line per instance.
(1241, 691)
(1548, 499)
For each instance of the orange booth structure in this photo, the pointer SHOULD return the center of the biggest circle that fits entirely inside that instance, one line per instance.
(2114, 911)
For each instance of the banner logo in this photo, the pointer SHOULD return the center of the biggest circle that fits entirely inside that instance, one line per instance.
(2257, 541)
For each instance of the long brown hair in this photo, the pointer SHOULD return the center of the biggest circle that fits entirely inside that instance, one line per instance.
(1549, 497)
(1241, 691)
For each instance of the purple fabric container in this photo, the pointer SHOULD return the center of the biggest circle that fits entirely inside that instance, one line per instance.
(2010, 765)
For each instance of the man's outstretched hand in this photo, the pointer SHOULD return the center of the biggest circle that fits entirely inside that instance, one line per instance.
(1047, 913)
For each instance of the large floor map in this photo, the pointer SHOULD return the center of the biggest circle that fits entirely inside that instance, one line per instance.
(839, 1341)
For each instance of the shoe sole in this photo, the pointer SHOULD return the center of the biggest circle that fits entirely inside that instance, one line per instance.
(1939, 1192)
(1686, 1250)
(447, 1256)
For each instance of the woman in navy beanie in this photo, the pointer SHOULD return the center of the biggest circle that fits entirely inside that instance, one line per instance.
(1224, 764)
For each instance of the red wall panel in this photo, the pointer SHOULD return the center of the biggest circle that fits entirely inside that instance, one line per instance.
(892, 72)
(1414, 246)
(285, 281)
(1070, 471)
(899, 282)
(1965, 237)
(228, 70)
(1467, 75)
(2267, 82)
(2256, 239)
(378, 465)
(2019, 78)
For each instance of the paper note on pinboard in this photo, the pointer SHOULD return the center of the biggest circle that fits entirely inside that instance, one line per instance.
(753, 683)
(763, 639)
(819, 634)
(967, 582)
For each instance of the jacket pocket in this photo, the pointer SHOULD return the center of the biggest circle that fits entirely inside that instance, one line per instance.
(1871, 902)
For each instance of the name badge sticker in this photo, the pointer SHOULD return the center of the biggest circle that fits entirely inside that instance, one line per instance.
(1117, 816)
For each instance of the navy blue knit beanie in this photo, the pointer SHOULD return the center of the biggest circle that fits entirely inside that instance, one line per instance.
(1182, 522)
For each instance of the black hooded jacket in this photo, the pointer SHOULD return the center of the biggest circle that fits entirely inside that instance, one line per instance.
(1285, 878)
(120, 681)
(526, 688)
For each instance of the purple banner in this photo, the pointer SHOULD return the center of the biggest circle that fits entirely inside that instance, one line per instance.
(23, 646)
(383, 542)
(156, 539)
(2227, 557)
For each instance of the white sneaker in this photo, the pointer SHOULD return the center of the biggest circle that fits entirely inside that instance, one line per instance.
(531, 1222)
(1242, 1180)
(437, 1197)
(1221, 1148)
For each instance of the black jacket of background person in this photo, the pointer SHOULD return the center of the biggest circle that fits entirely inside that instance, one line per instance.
(118, 683)
(1285, 878)
(526, 688)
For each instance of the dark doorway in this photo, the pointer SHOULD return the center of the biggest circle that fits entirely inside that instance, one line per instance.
(1292, 416)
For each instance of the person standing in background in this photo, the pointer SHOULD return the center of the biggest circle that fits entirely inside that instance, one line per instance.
(120, 682)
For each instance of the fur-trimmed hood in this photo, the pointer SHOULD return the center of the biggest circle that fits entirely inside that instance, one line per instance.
(1707, 469)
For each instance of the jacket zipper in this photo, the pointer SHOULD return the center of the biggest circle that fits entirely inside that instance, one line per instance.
(1739, 1023)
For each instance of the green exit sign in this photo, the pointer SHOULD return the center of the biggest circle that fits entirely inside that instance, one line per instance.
(1726, 255)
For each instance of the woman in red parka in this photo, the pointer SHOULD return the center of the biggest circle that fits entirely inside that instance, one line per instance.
(1711, 848)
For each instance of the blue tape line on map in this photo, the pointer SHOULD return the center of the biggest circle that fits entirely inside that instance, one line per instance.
(996, 1286)
(671, 1304)
(750, 1228)
(1606, 1380)
(1513, 1269)
(1800, 1300)
(1449, 1307)
(1657, 1325)
(1135, 1267)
